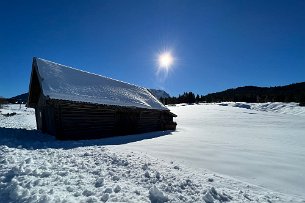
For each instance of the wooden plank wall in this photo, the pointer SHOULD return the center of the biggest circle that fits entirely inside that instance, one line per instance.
(88, 121)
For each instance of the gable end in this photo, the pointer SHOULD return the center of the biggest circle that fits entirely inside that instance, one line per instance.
(35, 89)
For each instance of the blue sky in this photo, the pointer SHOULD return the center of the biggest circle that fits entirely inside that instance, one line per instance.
(216, 44)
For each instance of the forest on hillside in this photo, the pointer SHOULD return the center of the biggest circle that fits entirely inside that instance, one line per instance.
(289, 93)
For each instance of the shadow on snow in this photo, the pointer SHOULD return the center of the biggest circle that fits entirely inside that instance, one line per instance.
(34, 139)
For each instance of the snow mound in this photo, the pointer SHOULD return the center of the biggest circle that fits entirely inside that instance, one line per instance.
(66, 83)
(157, 196)
(277, 107)
(212, 195)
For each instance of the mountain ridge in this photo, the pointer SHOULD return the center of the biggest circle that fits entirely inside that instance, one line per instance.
(286, 93)
(252, 94)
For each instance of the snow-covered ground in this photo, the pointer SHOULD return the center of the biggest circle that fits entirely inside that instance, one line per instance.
(277, 107)
(248, 147)
(24, 118)
(263, 146)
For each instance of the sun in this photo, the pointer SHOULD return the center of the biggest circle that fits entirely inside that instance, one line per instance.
(165, 60)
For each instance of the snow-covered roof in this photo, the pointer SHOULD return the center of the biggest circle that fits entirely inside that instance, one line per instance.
(66, 83)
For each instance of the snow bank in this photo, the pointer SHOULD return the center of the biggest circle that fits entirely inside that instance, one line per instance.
(62, 82)
(277, 107)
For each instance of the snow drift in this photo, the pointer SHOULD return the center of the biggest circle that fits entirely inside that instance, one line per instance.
(277, 107)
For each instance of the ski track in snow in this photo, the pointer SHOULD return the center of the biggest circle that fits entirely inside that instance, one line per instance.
(37, 168)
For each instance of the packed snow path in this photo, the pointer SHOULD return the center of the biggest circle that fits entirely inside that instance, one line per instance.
(36, 168)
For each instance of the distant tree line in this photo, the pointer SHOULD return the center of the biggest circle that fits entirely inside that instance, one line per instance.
(186, 97)
(2, 101)
(289, 93)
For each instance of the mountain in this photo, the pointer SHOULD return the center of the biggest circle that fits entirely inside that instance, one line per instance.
(159, 93)
(19, 98)
(288, 93)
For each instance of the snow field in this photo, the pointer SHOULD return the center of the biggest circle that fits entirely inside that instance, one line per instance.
(35, 167)
(263, 148)
(100, 174)
(22, 119)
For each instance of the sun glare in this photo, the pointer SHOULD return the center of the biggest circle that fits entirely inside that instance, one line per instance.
(165, 60)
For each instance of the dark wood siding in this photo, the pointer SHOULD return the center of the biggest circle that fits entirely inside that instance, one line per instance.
(88, 122)
(71, 120)
(149, 121)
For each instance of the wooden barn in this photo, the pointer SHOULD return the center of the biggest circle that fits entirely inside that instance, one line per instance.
(74, 104)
